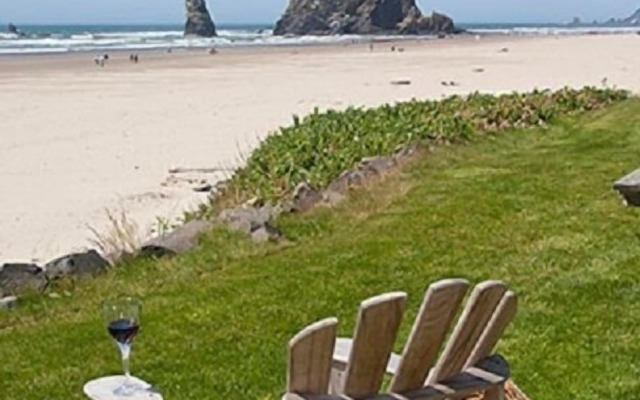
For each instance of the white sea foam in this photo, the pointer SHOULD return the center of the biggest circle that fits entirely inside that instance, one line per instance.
(58, 42)
(554, 30)
(139, 35)
(8, 36)
(32, 50)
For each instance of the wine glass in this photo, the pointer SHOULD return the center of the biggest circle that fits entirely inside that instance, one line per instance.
(122, 317)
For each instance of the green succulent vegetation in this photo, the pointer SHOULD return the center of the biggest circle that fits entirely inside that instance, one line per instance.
(318, 148)
(532, 207)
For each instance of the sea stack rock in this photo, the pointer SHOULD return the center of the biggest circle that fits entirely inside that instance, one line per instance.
(11, 28)
(199, 21)
(364, 17)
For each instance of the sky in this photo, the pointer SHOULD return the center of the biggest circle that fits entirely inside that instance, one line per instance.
(266, 11)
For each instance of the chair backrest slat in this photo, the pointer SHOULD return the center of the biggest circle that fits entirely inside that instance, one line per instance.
(501, 318)
(470, 327)
(376, 329)
(310, 355)
(438, 309)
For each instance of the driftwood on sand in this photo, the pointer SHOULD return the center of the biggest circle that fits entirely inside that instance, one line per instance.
(184, 170)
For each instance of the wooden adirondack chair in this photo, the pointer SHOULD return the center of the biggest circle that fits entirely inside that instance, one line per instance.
(322, 367)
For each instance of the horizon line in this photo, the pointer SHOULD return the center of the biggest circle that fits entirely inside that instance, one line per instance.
(141, 23)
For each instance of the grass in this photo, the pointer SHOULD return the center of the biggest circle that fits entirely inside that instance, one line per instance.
(534, 208)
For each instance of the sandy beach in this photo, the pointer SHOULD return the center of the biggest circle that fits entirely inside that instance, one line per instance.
(77, 140)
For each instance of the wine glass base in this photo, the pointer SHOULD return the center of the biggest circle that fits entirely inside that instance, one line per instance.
(111, 388)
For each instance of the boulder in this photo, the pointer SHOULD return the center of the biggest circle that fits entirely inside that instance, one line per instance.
(253, 221)
(199, 21)
(377, 165)
(371, 166)
(266, 233)
(247, 219)
(305, 197)
(629, 188)
(179, 241)
(332, 17)
(332, 198)
(77, 265)
(16, 278)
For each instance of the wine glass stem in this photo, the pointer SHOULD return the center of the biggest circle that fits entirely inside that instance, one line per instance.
(125, 351)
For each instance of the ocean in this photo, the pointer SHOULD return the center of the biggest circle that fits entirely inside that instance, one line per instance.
(89, 38)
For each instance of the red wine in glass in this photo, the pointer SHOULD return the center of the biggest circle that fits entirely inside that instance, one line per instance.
(123, 330)
(122, 317)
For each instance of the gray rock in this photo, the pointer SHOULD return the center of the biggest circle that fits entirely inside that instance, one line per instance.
(265, 234)
(331, 17)
(377, 165)
(346, 180)
(199, 21)
(268, 212)
(16, 278)
(252, 221)
(239, 220)
(77, 265)
(305, 197)
(333, 198)
(260, 235)
(629, 187)
(181, 240)
(8, 303)
(247, 219)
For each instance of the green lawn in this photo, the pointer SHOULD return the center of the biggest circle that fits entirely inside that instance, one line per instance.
(534, 208)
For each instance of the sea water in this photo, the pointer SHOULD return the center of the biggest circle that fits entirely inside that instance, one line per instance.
(89, 38)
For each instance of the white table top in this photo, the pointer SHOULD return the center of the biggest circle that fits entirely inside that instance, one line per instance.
(103, 389)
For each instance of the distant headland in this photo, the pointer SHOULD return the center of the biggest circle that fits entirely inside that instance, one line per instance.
(630, 21)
